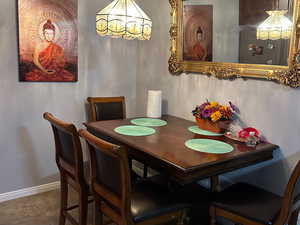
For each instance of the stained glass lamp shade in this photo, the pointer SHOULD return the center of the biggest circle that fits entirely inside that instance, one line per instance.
(123, 19)
(276, 26)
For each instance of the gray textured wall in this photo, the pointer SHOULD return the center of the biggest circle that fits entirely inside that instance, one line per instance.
(107, 67)
(272, 108)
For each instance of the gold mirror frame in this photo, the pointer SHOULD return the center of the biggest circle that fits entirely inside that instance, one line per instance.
(287, 75)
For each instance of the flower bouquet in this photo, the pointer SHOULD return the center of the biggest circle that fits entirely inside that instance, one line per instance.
(214, 117)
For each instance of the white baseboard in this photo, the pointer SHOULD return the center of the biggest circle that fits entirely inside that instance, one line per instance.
(29, 191)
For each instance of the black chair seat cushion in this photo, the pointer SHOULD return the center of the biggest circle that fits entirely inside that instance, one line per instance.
(150, 200)
(196, 197)
(250, 202)
(198, 200)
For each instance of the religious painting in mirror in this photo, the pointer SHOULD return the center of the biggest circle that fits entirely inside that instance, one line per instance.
(48, 40)
(198, 24)
(236, 38)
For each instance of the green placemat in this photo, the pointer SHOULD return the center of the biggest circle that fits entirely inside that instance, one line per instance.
(197, 130)
(134, 130)
(209, 146)
(149, 122)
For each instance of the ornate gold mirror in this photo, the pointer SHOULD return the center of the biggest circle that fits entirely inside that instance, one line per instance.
(236, 38)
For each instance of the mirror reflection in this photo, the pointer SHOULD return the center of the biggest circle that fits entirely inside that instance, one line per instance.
(237, 31)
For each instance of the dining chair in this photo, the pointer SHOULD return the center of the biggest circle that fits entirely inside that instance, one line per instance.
(110, 108)
(120, 200)
(249, 205)
(107, 108)
(73, 171)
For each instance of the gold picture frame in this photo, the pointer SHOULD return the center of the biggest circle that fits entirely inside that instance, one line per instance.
(287, 75)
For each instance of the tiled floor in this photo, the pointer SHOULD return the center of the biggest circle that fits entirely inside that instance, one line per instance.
(42, 209)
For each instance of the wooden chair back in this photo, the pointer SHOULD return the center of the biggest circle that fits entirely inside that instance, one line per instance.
(291, 201)
(107, 108)
(110, 178)
(69, 156)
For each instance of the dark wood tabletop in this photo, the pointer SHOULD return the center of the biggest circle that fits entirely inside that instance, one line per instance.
(166, 149)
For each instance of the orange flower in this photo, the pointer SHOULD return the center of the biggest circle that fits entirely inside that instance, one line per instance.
(216, 116)
(214, 104)
(226, 112)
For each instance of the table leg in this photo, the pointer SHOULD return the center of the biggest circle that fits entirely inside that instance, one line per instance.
(130, 163)
(214, 184)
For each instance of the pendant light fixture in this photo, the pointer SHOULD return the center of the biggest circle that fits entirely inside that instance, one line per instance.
(123, 19)
(276, 26)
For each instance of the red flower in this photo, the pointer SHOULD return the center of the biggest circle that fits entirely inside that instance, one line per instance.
(246, 132)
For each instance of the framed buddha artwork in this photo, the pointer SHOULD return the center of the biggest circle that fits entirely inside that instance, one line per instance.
(198, 32)
(48, 40)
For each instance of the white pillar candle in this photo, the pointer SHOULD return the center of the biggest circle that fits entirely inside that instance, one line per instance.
(154, 104)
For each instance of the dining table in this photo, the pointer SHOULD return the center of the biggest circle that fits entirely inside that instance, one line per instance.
(165, 150)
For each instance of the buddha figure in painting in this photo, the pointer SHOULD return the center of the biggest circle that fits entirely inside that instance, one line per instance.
(49, 59)
(199, 51)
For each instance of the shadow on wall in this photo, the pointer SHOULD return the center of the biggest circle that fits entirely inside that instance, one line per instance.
(164, 106)
(271, 175)
(32, 163)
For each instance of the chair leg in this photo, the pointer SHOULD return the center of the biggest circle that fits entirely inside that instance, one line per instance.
(63, 201)
(83, 207)
(98, 216)
(145, 175)
(212, 213)
(294, 218)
